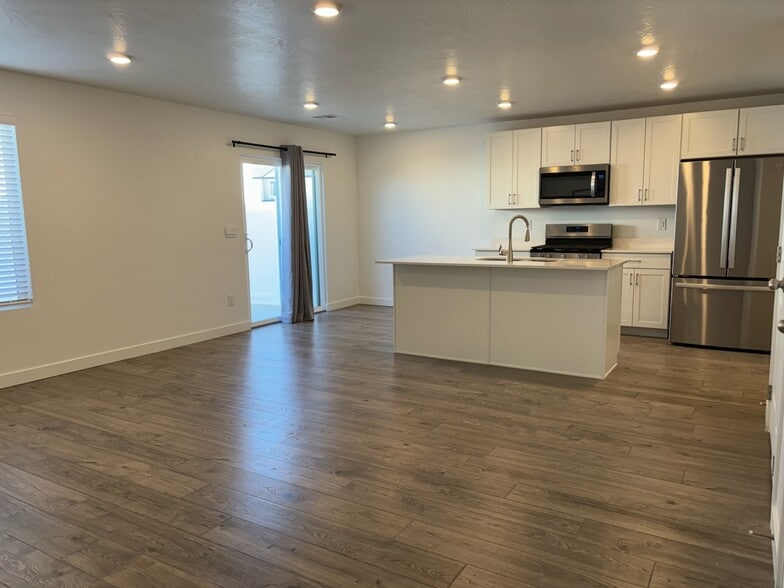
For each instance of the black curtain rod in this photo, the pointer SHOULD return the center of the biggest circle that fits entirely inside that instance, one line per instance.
(278, 148)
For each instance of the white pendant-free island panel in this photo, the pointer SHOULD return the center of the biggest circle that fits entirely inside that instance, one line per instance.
(560, 317)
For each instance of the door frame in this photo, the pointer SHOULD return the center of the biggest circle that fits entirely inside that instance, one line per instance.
(321, 226)
(321, 239)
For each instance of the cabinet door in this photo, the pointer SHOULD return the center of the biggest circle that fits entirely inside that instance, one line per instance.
(592, 143)
(502, 169)
(626, 162)
(529, 159)
(627, 298)
(558, 146)
(652, 297)
(709, 134)
(662, 159)
(760, 130)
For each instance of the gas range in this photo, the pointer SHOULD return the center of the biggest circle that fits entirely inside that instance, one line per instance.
(572, 241)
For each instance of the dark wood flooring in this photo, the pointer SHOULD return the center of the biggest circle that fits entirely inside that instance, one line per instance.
(311, 455)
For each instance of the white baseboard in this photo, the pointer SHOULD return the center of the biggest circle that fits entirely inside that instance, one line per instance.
(345, 303)
(375, 301)
(104, 357)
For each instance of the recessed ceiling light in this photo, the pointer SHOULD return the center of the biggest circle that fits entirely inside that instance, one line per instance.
(326, 9)
(390, 124)
(649, 51)
(119, 58)
(310, 105)
(669, 85)
(505, 105)
(452, 80)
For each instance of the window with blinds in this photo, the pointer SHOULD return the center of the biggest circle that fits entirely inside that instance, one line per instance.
(14, 264)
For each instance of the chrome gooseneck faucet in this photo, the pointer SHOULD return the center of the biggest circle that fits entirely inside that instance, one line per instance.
(509, 254)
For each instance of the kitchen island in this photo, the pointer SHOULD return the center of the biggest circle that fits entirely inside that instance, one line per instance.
(559, 316)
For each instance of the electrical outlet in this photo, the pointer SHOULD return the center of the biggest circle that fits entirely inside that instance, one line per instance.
(230, 300)
(662, 225)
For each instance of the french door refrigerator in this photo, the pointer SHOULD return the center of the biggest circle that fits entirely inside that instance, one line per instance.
(726, 235)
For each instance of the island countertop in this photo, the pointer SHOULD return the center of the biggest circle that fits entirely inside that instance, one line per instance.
(561, 316)
(523, 263)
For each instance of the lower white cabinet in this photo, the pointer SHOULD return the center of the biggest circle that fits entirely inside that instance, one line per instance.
(645, 297)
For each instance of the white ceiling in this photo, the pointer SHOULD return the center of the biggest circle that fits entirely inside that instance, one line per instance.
(380, 57)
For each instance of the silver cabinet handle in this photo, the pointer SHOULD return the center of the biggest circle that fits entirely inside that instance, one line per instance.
(645, 197)
(639, 195)
(780, 326)
(637, 281)
(631, 277)
(249, 241)
(743, 143)
(571, 156)
(577, 154)
(774, 284)
(734, 143)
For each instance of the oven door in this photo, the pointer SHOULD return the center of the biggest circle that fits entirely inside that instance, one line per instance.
(576, 184)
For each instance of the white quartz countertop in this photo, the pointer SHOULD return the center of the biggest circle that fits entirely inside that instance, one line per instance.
(639, 250)
(524, 263)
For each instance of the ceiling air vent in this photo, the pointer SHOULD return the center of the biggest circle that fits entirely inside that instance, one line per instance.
(322, 116)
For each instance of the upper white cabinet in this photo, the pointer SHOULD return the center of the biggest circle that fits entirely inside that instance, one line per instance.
(576, 144)
(726, 133)
(515, 157)
(644, 161)
(760, 130)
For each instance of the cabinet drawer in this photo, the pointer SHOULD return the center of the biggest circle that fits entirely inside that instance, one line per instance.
(646, 260)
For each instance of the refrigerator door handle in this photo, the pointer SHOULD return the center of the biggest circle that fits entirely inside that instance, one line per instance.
(722, 287)
(734, 222)
(726, 218)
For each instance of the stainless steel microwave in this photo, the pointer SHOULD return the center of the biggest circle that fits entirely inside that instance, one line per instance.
(574, 184)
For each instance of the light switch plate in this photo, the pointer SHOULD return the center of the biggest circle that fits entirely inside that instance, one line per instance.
(230, 232)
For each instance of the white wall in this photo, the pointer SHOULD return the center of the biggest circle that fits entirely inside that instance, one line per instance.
(425, 192)
(125, 201)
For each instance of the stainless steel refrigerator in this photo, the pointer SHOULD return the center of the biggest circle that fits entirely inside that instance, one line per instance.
(726, 235)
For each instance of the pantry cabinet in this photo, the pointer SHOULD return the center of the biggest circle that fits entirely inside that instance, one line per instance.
(515, 157)
(645, 298)
(585, 144)
(644, 161)
(727, 133)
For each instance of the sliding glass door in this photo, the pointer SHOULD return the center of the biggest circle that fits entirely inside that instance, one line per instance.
(261, 194)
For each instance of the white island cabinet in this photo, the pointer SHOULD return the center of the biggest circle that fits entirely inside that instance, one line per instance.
(560, 316)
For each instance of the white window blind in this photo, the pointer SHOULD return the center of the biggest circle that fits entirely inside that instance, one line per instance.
(14, 264)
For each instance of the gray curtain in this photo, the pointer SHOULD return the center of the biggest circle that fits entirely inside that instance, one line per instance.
(296, 278)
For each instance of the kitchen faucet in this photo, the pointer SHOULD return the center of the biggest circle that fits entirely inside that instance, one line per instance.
(509, 254)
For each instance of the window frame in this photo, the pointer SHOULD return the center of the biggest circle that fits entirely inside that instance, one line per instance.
(9, 120)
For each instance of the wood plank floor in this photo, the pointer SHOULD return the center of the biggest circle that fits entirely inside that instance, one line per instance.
(311, 455)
